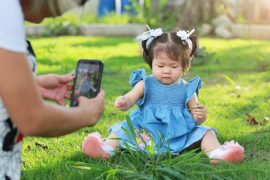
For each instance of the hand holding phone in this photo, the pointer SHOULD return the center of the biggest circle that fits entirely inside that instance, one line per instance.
(87, 80)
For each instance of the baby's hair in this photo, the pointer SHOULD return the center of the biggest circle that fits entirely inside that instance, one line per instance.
(173, 46)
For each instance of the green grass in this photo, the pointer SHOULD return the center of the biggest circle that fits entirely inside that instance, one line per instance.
(236, 80)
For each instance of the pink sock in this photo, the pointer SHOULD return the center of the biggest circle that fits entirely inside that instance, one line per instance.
(94, 147)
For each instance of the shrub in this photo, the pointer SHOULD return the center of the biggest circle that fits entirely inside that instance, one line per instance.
(63, 25)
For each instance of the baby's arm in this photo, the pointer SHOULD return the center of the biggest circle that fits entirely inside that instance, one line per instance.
(197, 110)
(128, 100)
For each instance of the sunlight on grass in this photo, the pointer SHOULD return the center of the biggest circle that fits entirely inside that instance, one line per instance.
(236, 81)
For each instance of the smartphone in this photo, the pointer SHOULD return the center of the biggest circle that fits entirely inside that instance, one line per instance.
(87, 80)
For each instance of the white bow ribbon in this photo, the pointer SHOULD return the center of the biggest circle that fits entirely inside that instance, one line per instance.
(149, 35)
(184, 35)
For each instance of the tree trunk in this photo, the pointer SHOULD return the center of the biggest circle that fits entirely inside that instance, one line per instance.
(197, 11)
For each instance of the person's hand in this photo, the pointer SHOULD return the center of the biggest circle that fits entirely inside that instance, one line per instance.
(122, 103)
(55, 87)
(93, 107)
(199, 113)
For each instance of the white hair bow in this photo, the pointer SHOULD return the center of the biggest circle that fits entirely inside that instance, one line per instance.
(184, 35)
(149, 35)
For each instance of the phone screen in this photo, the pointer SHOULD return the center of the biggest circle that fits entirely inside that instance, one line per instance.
(87, 81)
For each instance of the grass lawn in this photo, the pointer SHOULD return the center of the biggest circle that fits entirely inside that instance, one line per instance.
(236, 76)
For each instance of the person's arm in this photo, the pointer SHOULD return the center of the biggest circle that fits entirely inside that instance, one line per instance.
(197, 110)
(128, 100)
(20, 95)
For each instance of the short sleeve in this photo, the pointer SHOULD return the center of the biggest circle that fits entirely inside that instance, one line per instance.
(193, 86)
(12, 32)
(135, 77)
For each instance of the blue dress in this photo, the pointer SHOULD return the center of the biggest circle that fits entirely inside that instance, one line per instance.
(163, 115)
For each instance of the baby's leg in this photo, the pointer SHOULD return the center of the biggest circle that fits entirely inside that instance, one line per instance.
(209, 142)
(112, 140)
(230, 151)
(96, 148)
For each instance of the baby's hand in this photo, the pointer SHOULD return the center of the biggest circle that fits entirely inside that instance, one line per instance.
(199, 113)
(122, 103)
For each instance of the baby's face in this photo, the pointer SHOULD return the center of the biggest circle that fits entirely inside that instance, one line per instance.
(166, 70)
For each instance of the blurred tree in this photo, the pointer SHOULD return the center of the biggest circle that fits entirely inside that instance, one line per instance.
(152, 11)
(172, 13)
(194, 12)
(255, 11)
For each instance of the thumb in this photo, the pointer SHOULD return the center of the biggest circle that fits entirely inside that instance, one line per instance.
(82, 99)
(101, 94)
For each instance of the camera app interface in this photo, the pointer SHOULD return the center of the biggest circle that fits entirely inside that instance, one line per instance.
(87, 81)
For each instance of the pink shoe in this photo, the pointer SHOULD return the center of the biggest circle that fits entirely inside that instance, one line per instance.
(94, 147)
(229, 152)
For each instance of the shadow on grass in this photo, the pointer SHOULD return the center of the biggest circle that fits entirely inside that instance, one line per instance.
(62, 170)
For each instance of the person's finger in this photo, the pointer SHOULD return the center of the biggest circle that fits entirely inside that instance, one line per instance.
(62, 102)
(120, 108)
(121, 104)
(196, 113)
(198, 107)
(199, 113)
(199, 116)
(82, 99)
(67, 96)
(117, 106)
(101, 94)
(196, 110)
(118, 103)
(69, 88)
(65, 78)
